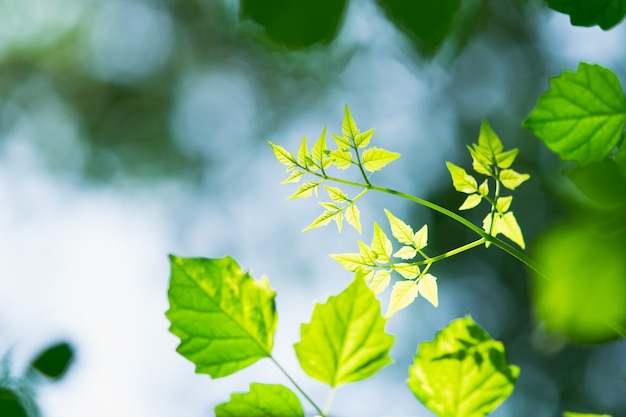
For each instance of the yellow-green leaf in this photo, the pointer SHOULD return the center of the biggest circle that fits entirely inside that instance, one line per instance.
(570, 414)
(317, 153)
(363, 139)
(353, 216)
(504, 203)
(402, 295)
(348, 127)
(303, 153)
(512, 179)
(483, 189)
(506, 159)
(509, 228)
(406, 252)
(338, 218)
(489, 141)
(427, 287)
(342, 158)
(353, 262)
(461, 180)
(368, 254)
(420, 240)
(283, 156)
(322, 220)
(381, 243)
(471, 201)
(375, 158)
(408, 271)
(305, 190)
(293, 177)
(400, 230)
(380, 281)
(342, 142)
(336, 194)
(480, 162)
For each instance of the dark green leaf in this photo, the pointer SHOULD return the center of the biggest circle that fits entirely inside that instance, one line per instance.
(604, 13)
(54, 361)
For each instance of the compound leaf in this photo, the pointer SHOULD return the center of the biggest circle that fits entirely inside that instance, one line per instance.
(400, 230)
(462, 372)
(582, 115)
(225, 319)
(346, 340)
(461, 180)
(427, 286)
(604, 13)
(402, 294)
(263, 400)
(375, 158)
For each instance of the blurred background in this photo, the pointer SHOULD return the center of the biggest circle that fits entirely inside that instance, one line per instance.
(130, 129)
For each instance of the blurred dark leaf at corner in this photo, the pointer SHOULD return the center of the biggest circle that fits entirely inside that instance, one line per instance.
(54, 361)
(10, 404)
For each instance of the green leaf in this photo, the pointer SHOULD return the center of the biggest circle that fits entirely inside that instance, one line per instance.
(508, 227)
(400, 230)
(570, 414)
(305, 190)
(604, 13)
(505, 159)
(263, 400)
(336, 194)
(338, 218)
(380, 243)
(353, 262)
(503, 203)
(488, 141)
(427, 286)
(420, 240)
(368, 254)
(462, 372)
(342, 158)
(346, 340)
(322, 220)
(582, 115)
(461, 180)
(480, 162)
(402, 295)
(406, 252)
(380, 281)
(348, 127)
(408, 271)
(342, 142)
(483, 189)
(353, 217)
(471, 201)
(54, 361)
(512, 179)
(283, 156)
(225, 319)
(317, 153)
(363, 139)
(303, 153)
(293, 177)
(375, 159)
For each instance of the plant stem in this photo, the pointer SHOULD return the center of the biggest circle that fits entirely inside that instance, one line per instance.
(329, 401)
(456, 251)
(295, 384)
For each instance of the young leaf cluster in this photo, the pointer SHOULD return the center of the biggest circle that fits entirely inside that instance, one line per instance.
(375, 262)
(352, 150)
(491, 160)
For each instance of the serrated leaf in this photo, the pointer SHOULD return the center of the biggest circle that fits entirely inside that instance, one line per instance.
(471, 201)
(483, 189)
(329, 206)
(461, 180)
(305, 190)
(402, 294)
(322, 220)
(363, 139)
(348, 127)
(399, 229)
(408, 271)
(353, 217)
(380, 281)
(488, 141)
(353, 262)
(225, 319)
(293, 177)
(341, 158)
(582, 116)
(505, 159)
(336, 194)
(462, 372)
(317, 153)
(342, 142)
(604, 13)
(503, 203)
(406, 252)
(282, 155)
(375, 158)
(508, 227)
(368, 254)
(346, 340)
(263, 400)
(420, 240)
(512, 179)
(303, 153)
(381, 243)
(480, 162)
(338, 218)
(427, 287)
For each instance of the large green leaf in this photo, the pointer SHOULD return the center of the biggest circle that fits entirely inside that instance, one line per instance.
(582, 116)
(604, 13)
(346, 340)
(225, 319)
(462, 372)
(263, 400)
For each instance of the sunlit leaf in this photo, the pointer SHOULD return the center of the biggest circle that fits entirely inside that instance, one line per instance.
(353, 262)
(427, 287)
(480, 162)
(225, 319)
(368, 254)
(342, 142)
(508, 227)
(303, 153)
(330, 206)
(405, 252)
(338, 218)
(483, 189)
(380, 281)
(505, 159)
(462, 372)
(375, 159)
(348, 127)
(353, 217)
(408, 271)
(294, 176)
(582, 116)
(512, 179)
(336, 194)
(363, 139)
(503, 203)
(461, 180)
(604, 13)
(283, 156)
(471, 201)
(570, 414)
(345, 341)
(488, 141)
(305, 190)
(402, 294)
(317, 153)
(263, 400)
(381, 243)
(341, 158)
(322, 220)
(400, 230)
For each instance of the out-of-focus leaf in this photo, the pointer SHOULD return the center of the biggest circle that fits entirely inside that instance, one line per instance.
(10, 404)
(601, 182)
(224, 318)
(570, 414)
(604, 13)
(263, 400)
(462, 372)
(582, 116)
(55, 360)
(296, 24)
(346, 340)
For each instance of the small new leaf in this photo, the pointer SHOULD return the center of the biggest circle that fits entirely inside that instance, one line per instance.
(427, 287)
(489, 141)
(483, 189)
(342, 158)
(375, 159)
(353, 217)
(461, 180)
(381, 243)
(505, 159)
(471, 201)
(400, 230)
(402, 295)
(512, 179)
(420, 240)
(480, 162)
(336, 194)
(317, 153)
(348, 127)
(305, 190)
(283, 156)
(363, 139)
